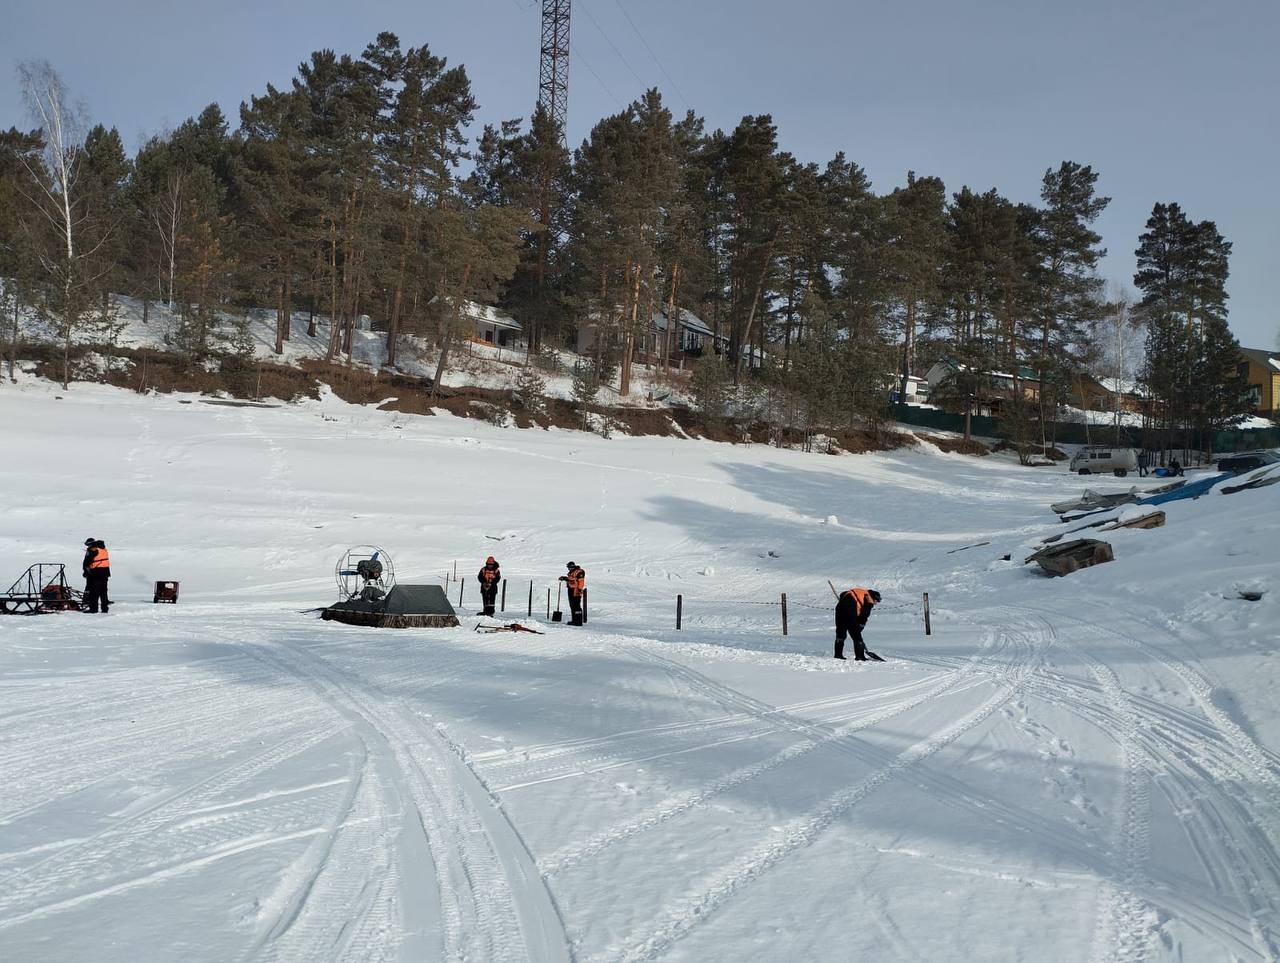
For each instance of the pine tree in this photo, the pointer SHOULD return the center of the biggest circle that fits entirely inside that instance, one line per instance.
(753, 182)
(473, 249)
(915, 254)
(1190, 367)
(19, 268)
(1068, 249)
(804, 253)
(422, 143)
(276, 187)
(711, 387)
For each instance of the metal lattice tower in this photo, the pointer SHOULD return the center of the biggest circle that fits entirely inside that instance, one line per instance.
(553, 77)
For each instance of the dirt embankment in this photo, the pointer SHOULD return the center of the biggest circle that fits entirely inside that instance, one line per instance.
(165, 372)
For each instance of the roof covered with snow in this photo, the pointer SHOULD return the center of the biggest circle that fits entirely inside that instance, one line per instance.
(486, 314)
(685, 319)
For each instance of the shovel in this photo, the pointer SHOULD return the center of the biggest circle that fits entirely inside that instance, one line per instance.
(557, 615)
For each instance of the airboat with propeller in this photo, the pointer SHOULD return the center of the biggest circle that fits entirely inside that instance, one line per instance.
(369, 595)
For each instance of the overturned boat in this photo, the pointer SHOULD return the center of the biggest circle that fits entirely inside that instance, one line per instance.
(1070, 556)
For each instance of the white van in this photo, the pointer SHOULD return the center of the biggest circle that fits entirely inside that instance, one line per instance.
(1093, 459)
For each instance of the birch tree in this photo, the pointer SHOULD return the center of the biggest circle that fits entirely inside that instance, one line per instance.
(68, 233)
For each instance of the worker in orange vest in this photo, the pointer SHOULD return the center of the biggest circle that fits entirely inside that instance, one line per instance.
(97, 569)
(576, 585)
(853, 608)
(490, 578)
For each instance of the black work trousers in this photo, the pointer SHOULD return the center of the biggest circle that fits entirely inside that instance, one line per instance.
(95, 592)
(848, 624)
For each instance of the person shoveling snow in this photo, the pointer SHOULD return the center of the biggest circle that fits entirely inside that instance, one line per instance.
(853, 608)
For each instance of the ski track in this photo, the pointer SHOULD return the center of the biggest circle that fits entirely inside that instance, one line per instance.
(626, 749)
(102, 754)
(139, 847)
(493, 903)
(675, 806)
(689, 911)
(1207, 782)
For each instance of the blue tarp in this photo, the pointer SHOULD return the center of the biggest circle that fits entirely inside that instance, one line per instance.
(1190, 490)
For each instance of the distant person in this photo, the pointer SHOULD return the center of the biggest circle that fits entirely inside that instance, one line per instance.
(1144, 461)
(853, 608)
(575, 585)
(490, 577)
(97, 570)
(1175, 467)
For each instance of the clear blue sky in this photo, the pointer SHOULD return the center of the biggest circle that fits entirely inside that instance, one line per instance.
(1170, 100)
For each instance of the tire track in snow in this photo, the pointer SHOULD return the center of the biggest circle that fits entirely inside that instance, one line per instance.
(1127, 931)
(110, 859)
(672, 807)
(1222, 826)
(512, 757)
(718, 890)
(297, 919)
(1207, 913)
(623, 749)
(797, 834)
(44, 774)
(494, 904)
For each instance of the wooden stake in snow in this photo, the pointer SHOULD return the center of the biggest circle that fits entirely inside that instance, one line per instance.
(504, 596)
(461, 588)
(784, 613)
(679, 610)
(530, 598)
(927, 629)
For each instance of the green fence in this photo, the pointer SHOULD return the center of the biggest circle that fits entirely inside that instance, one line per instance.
(1070, 433)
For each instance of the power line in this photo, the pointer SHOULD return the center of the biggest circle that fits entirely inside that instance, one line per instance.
(626, 63)
(577, 56)
(670, 79)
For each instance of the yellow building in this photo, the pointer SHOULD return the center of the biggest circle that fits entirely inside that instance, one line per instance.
(1261, 370)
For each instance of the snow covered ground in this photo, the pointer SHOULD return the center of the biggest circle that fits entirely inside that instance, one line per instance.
(1072, 769)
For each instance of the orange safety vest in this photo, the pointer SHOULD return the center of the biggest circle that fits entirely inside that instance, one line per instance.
(576, 580)
(489, 574)
(862, 598)
(101, 559)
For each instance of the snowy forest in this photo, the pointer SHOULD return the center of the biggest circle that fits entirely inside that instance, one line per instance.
(369, 187)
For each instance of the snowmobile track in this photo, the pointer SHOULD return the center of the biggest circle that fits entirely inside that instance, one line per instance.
(126, 853)
(719, 888)
(493, 903)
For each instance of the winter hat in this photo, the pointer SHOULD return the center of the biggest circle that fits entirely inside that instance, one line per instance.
(875, 595)
(571, 565)
(88, 542)
(491, 561)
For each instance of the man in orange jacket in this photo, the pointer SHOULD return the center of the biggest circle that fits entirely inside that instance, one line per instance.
(575, 584)
(853, 608)
(490, 577)
(97, 569)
